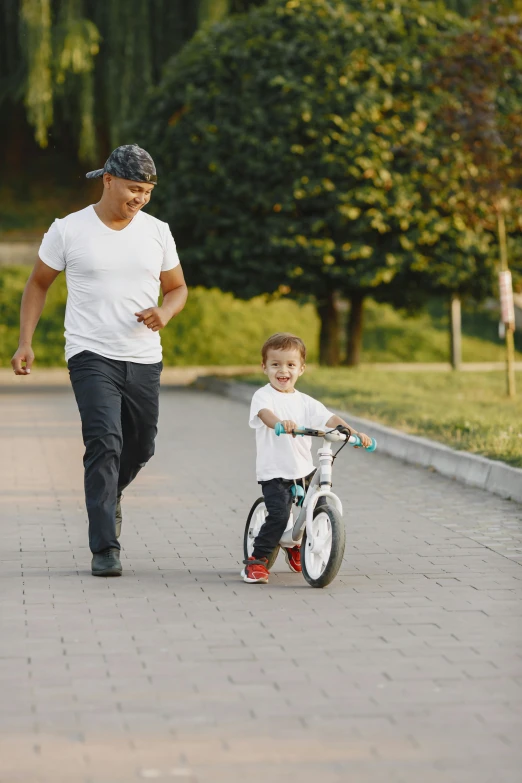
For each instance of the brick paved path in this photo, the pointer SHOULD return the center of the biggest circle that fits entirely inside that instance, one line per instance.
(406, 669)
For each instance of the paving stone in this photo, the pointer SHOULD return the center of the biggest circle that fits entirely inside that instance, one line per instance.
(408, 667)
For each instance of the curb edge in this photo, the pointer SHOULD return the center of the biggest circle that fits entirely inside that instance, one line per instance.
(469, 469)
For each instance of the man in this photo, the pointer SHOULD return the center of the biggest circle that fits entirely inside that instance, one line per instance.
(115, 258)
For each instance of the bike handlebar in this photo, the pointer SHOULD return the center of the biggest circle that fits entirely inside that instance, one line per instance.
(332, 435)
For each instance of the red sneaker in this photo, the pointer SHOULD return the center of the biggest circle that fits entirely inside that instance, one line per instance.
(255, 570)
(293, 558)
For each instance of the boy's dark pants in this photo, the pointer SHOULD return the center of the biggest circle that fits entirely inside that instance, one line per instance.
(278, 500)
(119, 405)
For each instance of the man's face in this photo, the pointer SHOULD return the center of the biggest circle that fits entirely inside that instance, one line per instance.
(126, 196)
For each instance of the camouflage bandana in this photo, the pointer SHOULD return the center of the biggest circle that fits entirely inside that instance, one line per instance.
(128, 162)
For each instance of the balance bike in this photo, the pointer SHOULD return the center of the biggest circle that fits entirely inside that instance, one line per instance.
(318, 524)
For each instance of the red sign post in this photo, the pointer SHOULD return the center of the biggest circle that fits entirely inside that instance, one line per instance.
(507, 306)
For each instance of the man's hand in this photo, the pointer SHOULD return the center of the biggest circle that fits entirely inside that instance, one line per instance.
(24, 354)
(153, 317)
(289, 426)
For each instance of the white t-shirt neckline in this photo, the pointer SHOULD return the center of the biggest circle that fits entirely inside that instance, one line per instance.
(116, 230)
(294, 390)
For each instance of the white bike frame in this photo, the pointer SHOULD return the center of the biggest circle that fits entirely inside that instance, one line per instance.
(320, 487)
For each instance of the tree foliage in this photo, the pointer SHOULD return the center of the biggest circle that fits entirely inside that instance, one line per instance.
(215, 10)
(464, 7)
(297, 140)
(481, 79)
(81, 67)
(478, 151)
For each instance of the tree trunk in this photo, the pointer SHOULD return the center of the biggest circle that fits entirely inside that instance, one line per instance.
(329, 342)
(355, 329)
(455, 332)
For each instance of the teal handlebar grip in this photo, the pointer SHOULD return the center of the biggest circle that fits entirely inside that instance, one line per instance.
(358, 442)
(280, 430)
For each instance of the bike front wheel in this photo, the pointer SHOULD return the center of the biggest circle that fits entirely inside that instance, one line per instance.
(255, 520)
(322, 552)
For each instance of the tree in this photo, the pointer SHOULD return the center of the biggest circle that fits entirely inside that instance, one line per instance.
(68, 61)
(288, 136)
(472, 165)
(81, 67)
(479, 78)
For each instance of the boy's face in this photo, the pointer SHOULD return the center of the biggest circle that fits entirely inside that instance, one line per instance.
(283, 368)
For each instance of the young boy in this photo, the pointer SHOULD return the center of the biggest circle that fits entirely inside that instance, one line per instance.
(281, 461)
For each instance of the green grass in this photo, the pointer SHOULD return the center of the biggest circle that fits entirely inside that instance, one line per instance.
(391, 336)
(467, 411)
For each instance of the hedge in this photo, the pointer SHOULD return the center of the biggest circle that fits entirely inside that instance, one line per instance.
(214, 328)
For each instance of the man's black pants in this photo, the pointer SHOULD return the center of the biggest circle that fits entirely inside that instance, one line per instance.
(119, 405)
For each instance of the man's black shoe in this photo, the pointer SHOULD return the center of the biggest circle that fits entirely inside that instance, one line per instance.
(119, 517)
(106, 563)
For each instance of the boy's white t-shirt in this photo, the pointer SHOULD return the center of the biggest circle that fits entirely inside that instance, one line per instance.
(284, 456)
(111, 275)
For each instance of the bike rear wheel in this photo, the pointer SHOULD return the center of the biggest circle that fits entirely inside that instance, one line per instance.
(255, 520)
(322, 553)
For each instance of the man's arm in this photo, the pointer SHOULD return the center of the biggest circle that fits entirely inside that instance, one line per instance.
(33, 301)
(175, 292)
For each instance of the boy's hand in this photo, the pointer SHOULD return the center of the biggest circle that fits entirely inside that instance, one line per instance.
(366, 441)
(289, 426)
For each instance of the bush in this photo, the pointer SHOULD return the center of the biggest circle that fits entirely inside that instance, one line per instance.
(214, 328)
(49, 340)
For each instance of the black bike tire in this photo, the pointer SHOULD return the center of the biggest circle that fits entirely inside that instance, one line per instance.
(273, 556)
(337, 552)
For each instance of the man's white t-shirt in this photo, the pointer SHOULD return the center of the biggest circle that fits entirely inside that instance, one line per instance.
(284, 456)
(111, 275)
